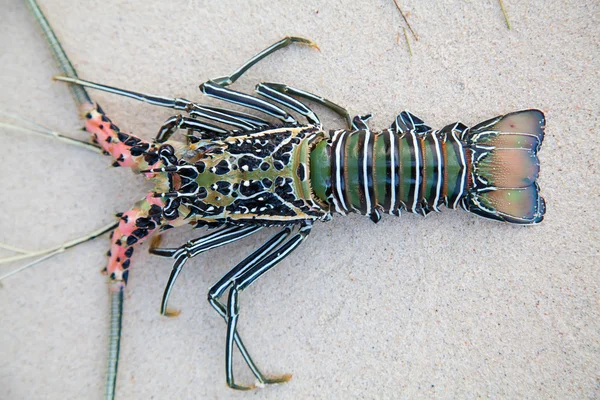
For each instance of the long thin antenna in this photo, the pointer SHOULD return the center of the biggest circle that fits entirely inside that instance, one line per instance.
(81, 97)
(114, 342)
(80, 94)
(50, 252)
(36, 129)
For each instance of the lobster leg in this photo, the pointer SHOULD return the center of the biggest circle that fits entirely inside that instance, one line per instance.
(223, 116)
(217, 87)
(177, 122)
(194, 248)
(222, 237)
(281, 98)
(219, 288)
(229, 117)
(283, 43)
(213, 89)
(245, 279)
(341, 111)
(252, 120)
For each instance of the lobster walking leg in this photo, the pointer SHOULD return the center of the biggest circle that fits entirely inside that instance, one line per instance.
(217, 87)
(219, 92)
(222, 237)
(341, 111)
(194, 248)
(245, 279)
(283, 43)
(288, 101)
(177, 122)
(279, 93)
(219, 288)
(229, 117)
(252, 120)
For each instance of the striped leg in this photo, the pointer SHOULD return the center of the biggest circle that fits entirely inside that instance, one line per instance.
(192, 249)
(161, 101)
(215, 114)
(283, 43)
(177, 122)
(222, 237)
(288, 90)
(217, 87)
(242, 121)
(215, 90)
(252, 272)
(283, 99)
(252, 120)
(219, 288)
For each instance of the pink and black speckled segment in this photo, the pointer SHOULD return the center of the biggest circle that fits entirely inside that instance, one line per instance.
(136, 225)
(146, 216)
(127, 150)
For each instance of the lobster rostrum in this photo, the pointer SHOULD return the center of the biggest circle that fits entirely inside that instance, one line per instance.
(239, 173)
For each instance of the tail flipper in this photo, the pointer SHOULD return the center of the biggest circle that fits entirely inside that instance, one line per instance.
(505, 167)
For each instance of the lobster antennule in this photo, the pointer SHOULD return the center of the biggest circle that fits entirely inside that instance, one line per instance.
(505, 167)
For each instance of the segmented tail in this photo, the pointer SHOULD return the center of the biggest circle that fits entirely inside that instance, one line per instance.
(504, 168)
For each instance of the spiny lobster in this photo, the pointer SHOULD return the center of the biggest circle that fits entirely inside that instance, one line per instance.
(238, 173)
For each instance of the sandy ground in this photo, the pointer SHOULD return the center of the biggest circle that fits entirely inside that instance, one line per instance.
(448, 306)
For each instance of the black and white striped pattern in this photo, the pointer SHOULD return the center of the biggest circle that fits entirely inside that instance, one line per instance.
(222, 93)
(365, 188)
(460, 183)
(415, 193)
(337, 171)
(195, 247)
(407, 186)
(439, 163)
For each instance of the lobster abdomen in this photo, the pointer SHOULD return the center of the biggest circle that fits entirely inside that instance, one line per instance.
(391, 171)
(414, 168)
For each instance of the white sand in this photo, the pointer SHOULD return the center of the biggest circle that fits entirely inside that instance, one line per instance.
(451, 306)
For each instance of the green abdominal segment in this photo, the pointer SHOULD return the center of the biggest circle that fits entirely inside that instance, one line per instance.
(366, 172)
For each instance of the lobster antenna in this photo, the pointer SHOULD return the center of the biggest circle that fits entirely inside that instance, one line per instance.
(40, 130)
(49, 252)
(79, 94)
(114, 342)
(81, 97)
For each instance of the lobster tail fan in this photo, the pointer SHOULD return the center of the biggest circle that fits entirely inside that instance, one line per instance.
(505, 167)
